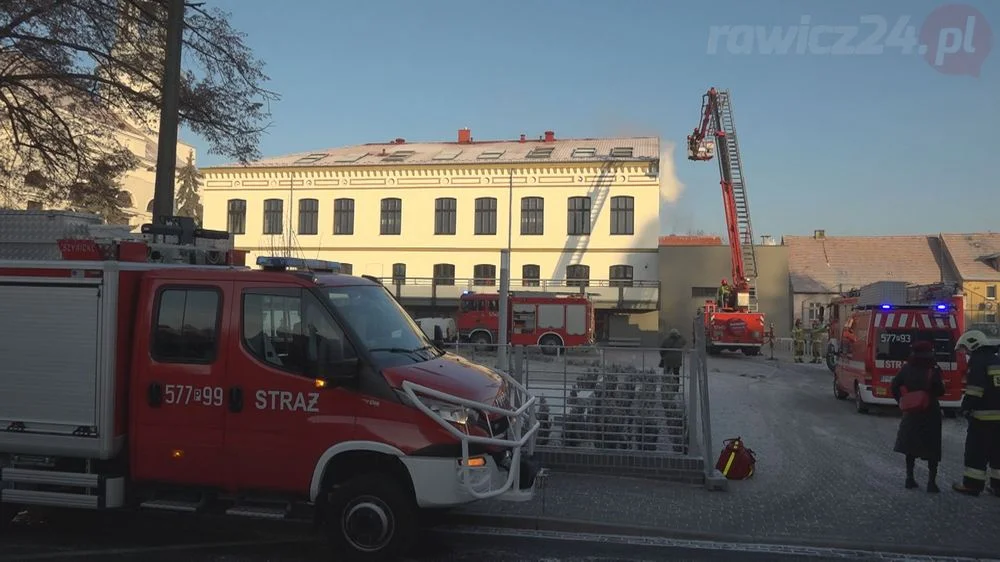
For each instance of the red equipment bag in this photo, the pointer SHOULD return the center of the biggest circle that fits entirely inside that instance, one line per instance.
(736, 462)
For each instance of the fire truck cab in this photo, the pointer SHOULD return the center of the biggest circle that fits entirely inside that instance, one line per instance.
(877, 326)
(551, 321)
(194, 387)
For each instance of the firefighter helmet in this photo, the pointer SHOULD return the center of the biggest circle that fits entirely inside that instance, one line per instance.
(972, 340)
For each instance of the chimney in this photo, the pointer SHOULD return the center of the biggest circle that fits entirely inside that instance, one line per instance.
(464, 135)
(550, 136)
(819, 234)
(523, 137)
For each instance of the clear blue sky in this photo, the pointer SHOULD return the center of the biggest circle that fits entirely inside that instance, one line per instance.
(854, 144)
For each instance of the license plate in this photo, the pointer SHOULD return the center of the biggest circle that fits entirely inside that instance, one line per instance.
(880, 391)
(887, 379)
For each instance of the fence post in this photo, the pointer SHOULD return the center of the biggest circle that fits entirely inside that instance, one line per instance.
(714, 480)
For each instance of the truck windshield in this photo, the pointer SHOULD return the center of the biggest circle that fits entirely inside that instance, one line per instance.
(894, 345)
(383, 326)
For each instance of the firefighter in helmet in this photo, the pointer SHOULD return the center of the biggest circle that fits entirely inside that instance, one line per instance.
(816, 340)
(722, 297)
(799, 337)
(981, 406)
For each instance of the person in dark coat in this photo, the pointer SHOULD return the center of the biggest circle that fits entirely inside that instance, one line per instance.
(919, 434)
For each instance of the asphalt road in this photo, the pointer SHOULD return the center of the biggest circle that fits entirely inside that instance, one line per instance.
(83, 537)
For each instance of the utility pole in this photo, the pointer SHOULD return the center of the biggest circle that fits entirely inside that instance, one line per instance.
(502, 357)
(166, 154)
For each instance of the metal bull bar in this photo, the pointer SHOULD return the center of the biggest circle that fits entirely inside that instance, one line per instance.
(515, 439)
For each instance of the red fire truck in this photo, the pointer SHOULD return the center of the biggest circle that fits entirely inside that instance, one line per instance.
(191, 387)
(735, 324)
(876, 327)
(549, 320)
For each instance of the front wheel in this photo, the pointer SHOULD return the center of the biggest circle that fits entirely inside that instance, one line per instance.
(371, 518)
(859, 404)
(837, 392)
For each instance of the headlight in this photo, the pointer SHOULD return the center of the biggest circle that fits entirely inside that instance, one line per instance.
(451, 412)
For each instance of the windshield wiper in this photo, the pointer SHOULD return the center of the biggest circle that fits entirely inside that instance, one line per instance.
(400, 349)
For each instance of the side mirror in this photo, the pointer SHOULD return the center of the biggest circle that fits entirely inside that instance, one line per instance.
(336, 371)
(438, 336)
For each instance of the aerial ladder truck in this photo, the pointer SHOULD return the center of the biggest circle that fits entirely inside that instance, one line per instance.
(734, 324)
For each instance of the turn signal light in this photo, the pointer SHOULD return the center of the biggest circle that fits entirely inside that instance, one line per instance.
(319, 383)
(474, 462)
(177, 454)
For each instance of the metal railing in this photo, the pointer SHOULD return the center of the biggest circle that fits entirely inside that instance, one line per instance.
(614, 409)
(621, 292)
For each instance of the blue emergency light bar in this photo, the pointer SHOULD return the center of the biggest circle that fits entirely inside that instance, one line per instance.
(278, 263)
(937, 307)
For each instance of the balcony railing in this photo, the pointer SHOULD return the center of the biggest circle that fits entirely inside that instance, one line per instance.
(605, 293)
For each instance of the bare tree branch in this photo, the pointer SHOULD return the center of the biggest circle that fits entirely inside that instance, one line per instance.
(72, 70)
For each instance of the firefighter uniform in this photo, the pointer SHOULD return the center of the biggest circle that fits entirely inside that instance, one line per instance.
(799, 337)
(722, 296)
(982, 406)
(816, 338)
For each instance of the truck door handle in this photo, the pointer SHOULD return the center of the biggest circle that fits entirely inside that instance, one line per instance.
(154, 394)
(235, 399)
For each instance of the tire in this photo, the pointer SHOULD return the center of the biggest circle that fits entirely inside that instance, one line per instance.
(837, 392)
(371, 518)
(481, 341)
(831, 361)
(550, 344)
(859, 404)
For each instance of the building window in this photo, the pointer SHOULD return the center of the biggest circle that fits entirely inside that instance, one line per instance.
(486, 215)
(274, 210)
(530, 275)
(444, 274)
(236, 222)
(812, 312)
(445, 215)
(346, 268)
(577, 275)
(990, 318)
(532, 216)
(578, 219)
(186, 326)
(704, 292)
(484, 274)
(991, 292)
(343, 216)
(399, 273)
(391, 221)
(285, 329)
(308, 216)
(621, 275)
(623, 215)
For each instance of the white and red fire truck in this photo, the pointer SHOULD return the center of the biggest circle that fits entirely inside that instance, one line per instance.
(549, 320)
(735, 325)
(872, 332)
(188, 386)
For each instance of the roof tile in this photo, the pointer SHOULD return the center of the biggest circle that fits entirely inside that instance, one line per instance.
(833, 264)
(643, 149)
(967, 252)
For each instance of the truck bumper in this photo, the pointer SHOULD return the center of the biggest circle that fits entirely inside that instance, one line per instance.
(868, 397)
(441, 482)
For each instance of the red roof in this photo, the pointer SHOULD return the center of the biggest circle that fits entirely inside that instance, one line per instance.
(686, 240)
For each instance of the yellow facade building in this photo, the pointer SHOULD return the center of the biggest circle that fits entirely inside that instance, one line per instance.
(431, 219)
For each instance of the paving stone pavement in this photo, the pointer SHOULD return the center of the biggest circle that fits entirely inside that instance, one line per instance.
(825, 473)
